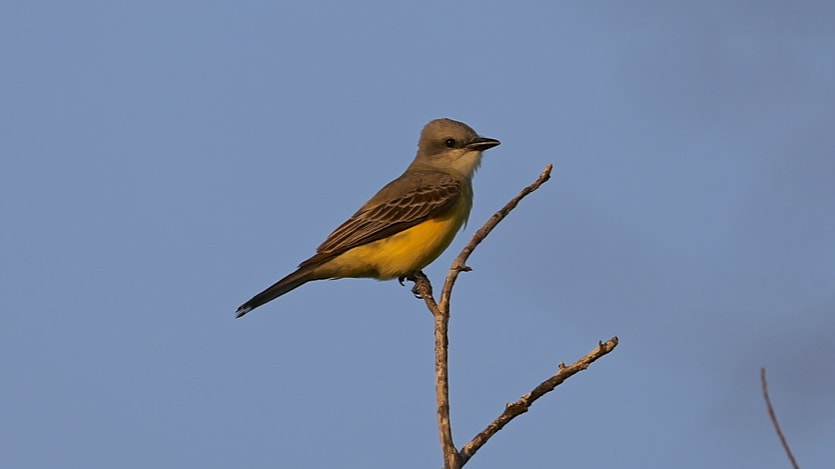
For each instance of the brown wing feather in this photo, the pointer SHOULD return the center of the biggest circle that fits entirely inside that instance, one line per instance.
(379, 219)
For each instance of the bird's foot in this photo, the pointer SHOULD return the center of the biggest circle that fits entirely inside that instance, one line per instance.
(411, 278)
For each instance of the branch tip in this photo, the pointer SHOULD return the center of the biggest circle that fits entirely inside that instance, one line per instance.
(482, 233)
(514, 409)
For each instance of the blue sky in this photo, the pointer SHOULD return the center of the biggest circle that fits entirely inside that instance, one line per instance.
(164, 161)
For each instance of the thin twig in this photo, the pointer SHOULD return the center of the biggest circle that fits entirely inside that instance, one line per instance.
(460, 263)
(423, 287)
(774, 420)
(514, 409)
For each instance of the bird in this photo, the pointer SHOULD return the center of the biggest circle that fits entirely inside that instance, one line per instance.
(407, 224)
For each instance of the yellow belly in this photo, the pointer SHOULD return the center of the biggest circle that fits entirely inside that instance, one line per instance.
(403, 253)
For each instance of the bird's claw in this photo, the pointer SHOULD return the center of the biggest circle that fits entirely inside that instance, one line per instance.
(410, 278)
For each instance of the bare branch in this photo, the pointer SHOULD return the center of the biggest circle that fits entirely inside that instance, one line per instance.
(514, 409)
(424, 288)
(774, 420)
(451, 458)
(460, 263)
(440, 312)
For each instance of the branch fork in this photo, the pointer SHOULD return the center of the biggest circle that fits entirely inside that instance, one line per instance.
(453, 459)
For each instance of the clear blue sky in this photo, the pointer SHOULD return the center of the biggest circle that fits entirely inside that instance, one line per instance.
(164, 161)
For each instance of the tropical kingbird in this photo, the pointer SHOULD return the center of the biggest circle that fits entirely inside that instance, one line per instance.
(407, 224)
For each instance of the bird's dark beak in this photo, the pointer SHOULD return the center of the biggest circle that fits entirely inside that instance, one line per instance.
(483, 143)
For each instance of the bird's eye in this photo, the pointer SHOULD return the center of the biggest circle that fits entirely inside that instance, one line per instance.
(450, 142)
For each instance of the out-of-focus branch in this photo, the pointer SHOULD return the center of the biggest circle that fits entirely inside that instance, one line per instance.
(774, 420)
(514, 409)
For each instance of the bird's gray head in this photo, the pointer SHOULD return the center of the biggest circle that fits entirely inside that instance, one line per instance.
(451, 146)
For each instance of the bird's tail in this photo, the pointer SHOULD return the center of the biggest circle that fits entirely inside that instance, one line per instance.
(290, 282)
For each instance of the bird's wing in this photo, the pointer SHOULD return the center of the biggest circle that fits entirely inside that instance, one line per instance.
(426, 196)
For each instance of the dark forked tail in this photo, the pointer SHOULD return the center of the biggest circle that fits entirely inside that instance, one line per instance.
(290, 282)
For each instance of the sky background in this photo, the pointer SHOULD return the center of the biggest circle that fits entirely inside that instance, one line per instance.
(164, 161)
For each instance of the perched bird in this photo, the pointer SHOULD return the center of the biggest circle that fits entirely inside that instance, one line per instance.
(407, 224)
